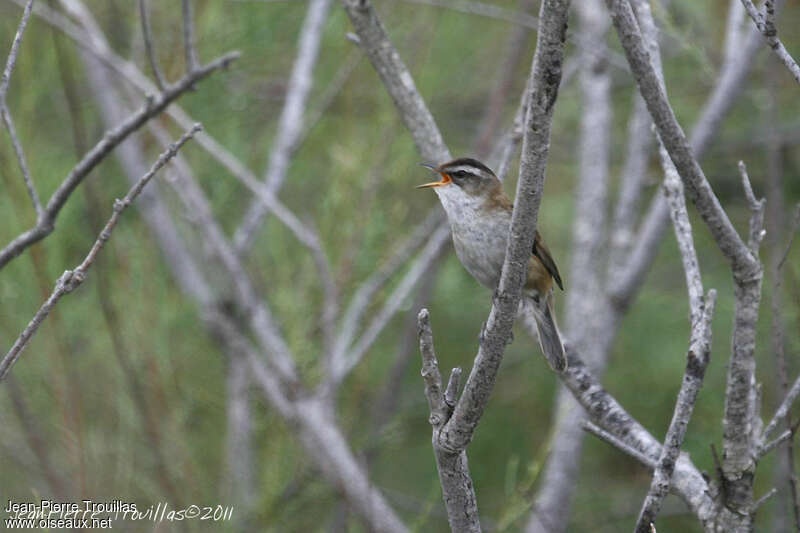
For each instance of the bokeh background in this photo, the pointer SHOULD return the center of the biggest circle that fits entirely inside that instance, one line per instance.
(354, 178)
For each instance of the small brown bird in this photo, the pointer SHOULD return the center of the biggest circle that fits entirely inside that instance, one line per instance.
(480, 219)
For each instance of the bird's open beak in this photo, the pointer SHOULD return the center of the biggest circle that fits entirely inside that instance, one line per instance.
(445, 178)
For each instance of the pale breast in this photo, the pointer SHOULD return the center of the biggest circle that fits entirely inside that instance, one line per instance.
(480, 243)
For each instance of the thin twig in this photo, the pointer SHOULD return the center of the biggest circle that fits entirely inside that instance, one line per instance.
(71, 279)
(759, 502)
(765, 22)
(793, 230)
(771, 445)
(623, 446)
(188, 36)
(696, 362)
(147, 34)
(6, 115)
(100, 151)
(344, 364)
(604, 410)
(673, 191)
(728, 86)
(697, 187)
(756, 209)
(290, 123)
(782, 410)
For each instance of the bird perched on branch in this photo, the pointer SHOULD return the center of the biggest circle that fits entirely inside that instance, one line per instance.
(479, 213)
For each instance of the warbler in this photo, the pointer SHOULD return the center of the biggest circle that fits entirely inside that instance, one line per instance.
(479, 213)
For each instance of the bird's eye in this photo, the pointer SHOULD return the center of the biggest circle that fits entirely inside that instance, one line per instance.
(460, 174)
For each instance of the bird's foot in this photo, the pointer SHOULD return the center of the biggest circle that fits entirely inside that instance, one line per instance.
(482, 334)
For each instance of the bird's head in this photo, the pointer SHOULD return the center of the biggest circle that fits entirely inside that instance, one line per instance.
(470, 176)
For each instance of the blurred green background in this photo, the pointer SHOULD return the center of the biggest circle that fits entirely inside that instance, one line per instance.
(354, 177)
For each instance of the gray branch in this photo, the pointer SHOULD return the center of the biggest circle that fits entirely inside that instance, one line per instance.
(154, 106)
(188, 35)
(144, 15)
(757, 231)
(765, 22)
(620, 444)
(745, 266)
(726, 89)
(696, 362)
(6, 114)
(397, 80)
(584, 297)
(545, 76)
(673, 191)
(290, 124)
(458, 491)
(608, 414)
(71, 279)
(320, 436)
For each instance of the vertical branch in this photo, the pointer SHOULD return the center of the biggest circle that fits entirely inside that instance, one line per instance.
(457, 488)
(786, 469)
(290, 123)
(585, 299)
(673, 191)
(147, 34)
(6, 115)
(188, 35)
(701, 312)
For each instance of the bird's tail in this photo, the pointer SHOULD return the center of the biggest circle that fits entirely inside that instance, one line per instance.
(549, 336)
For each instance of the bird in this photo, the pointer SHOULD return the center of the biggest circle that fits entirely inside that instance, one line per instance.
(479, 213)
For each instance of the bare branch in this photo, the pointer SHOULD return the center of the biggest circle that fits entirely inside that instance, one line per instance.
(457, 488)
(744, 264)
(621, 445)
(290, 124)
(756, 209)
(734, 30)
(144, 14)
(546, 77)
(759, 502)
(782, 410)
(765, 22)
(483, 9)
(71, 279)
(397, 80)
(342, 365)
(430, 371)
(451, 393)
(6, 115)
(607, 413)
(632, 180)
(673, 191)
(585, 298)
(110, 140)
(188, 36)
(365, 293)
(767, 447)
(726, 89)
(245, 295)
(793, 230)
(696, 362)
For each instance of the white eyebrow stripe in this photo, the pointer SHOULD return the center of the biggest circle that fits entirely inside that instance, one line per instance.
(467, 168)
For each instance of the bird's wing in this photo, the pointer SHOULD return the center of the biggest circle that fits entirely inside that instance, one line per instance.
(541, 252)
